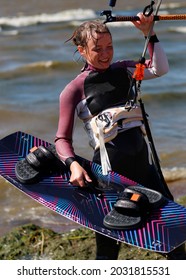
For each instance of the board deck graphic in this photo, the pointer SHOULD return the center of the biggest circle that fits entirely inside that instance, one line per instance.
(164, 230)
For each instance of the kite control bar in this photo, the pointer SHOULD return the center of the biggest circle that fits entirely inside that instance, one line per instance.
(110, 18)
(148, 10)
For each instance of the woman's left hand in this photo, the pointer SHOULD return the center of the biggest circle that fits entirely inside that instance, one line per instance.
(144, 24)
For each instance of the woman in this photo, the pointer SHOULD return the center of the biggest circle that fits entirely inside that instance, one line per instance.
(104, 85)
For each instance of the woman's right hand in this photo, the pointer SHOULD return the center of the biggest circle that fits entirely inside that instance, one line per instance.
(144, 24)
(79, 176)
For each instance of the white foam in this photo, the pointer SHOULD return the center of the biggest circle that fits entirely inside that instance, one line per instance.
(174, 173)
(173, 5)
(67, 15)
(180, 29)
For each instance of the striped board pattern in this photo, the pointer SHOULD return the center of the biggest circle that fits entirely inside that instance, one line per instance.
(164, 230)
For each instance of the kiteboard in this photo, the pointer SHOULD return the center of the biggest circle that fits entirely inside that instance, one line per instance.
(163, 230)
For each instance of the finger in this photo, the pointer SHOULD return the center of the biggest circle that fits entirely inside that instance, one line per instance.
(87, 178)
(81, 183)
(145, 19)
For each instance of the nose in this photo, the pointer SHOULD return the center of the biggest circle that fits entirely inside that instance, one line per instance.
(105, 52)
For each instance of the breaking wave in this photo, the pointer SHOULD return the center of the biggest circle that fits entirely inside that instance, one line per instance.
(64, 16)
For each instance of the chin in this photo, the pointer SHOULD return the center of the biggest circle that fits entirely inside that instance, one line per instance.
(104, 67)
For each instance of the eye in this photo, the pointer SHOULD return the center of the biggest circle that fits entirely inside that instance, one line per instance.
(110, 47)
(97, 49)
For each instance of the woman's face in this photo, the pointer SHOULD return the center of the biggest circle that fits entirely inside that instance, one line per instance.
(99, 50)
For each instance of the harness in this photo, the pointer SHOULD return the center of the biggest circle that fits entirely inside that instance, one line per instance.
(106, 93)
(113, 120)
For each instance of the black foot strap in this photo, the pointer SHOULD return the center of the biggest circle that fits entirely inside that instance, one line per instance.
(132, 208)
(39, 162)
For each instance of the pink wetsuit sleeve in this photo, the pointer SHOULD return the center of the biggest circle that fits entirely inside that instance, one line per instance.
(69, 98)
(157, 65)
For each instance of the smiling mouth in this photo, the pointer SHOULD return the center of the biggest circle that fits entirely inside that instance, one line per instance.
(104, 60)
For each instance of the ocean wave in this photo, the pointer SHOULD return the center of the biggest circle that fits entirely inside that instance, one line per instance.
(38, 67)
(68, 15)
(173, 5)
(174, 174)
(74, 16)
(179, 29)
(9, 32)
(165, 97)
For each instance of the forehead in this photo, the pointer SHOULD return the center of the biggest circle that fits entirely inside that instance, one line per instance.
(97, 38)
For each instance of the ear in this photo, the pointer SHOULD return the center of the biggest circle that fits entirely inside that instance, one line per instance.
(81, 50)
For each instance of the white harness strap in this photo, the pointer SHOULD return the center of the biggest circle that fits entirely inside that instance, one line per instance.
(105, 162)
(108, 121)
(105, 128)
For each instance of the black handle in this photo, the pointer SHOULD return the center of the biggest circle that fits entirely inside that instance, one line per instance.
(112, 3)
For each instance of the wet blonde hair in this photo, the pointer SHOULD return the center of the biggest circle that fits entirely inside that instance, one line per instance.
(82, 34)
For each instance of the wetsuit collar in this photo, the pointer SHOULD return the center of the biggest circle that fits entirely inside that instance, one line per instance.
(89, 67)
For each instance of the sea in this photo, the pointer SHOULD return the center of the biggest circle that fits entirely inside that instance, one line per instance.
(36, 64)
